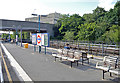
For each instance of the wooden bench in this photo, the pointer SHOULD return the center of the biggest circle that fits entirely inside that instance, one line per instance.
(70, 55)
(109, 62)
(115, 70)
(59, 54)
(65, 54)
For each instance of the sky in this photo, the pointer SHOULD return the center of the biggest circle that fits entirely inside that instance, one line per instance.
(21, 9)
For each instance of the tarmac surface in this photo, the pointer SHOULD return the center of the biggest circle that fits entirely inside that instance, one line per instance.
(41, 67)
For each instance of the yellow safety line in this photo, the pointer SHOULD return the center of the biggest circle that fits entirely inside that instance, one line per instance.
(8, 74)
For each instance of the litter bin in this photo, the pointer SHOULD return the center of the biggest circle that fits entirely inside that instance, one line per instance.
(26, 45)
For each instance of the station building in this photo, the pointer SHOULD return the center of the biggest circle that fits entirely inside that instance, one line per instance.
(31, 24)
(50, 18)
(32, 27)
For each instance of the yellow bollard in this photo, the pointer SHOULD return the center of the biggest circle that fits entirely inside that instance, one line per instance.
(26, 45)
(92, 56)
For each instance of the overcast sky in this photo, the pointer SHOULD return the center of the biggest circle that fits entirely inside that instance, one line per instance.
(21, 9)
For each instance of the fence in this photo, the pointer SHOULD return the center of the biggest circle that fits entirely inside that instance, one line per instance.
(95, 48)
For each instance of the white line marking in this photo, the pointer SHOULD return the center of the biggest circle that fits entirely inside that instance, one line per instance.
(18, 69)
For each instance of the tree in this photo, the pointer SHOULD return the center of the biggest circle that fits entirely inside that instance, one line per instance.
(112, 35)
(88, 18)
(100, 25)
(98, 12)
(87, 32)
(71, 23)
(57, 33)
(69, 35)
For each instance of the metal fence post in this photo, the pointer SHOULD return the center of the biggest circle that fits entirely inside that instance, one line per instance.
(57, 44)
(102, 49)
(89, 47)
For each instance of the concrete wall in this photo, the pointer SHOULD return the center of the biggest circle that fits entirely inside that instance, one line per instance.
(50, 18)
(11, 23)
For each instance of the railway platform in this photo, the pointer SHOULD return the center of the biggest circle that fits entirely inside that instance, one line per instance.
(35, 66)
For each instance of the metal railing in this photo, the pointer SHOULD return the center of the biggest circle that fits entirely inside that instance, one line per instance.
(98, 48)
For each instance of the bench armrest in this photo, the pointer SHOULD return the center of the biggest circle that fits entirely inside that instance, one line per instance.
(100, 63)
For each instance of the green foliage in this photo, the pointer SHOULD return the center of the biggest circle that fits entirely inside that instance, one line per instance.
(69, 35)
(98, 12)
(25, 35)
(88, 18)
(100, 25)
(87, 32)
(71, 23)
(112, 35)
(4, 35)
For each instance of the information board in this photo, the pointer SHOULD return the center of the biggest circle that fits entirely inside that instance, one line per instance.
(42, 38)
(34, 39)
(46, 39)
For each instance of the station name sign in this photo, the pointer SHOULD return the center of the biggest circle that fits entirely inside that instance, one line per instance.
(41, 39)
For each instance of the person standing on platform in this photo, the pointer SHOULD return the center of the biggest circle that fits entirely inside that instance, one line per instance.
(67, 46)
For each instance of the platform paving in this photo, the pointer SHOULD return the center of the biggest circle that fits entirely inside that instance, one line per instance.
(41, 67)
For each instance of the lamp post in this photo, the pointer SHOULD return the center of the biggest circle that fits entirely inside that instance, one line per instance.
(9, 36)
(39, 28)
(16, 36)
(19, 27)
(21, 36)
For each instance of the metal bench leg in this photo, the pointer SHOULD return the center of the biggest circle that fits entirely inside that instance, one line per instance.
(55, 58)
(103, 74)
(110, 74)
(71, 64)
(60, 59)
(77, 63)
(88, 60)
(82, 61)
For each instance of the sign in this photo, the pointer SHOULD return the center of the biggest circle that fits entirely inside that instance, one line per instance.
(46, 39)
(34, 39)
(39, 39)
(42, 38)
